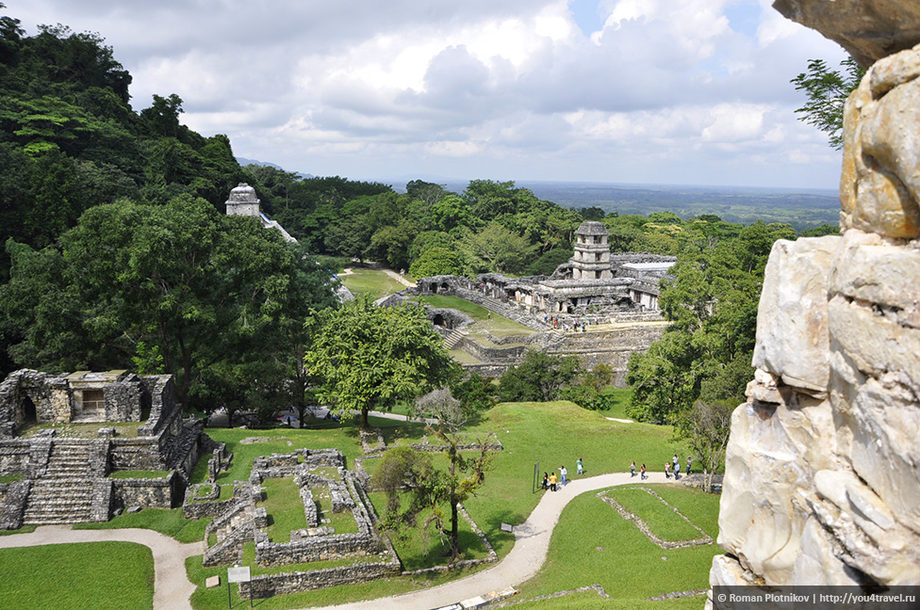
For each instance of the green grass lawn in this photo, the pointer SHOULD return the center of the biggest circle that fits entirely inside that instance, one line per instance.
(484, 320)
(167, 521)
(373, 283)
(114, 575)
(552, 433)
(617, 556)
(661, 519)
(621, 401)
(284, 507)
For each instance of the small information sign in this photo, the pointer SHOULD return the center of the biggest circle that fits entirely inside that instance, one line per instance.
(238, 574)
(507, 527)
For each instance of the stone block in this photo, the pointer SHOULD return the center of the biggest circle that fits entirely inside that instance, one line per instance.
(772, 453)
(880, 181)
(212, 581)
(792, 339)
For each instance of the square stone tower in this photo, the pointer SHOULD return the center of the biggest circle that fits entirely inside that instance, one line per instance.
(591, 260)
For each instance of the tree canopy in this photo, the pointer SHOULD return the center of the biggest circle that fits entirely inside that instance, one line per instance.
(712, 305)
(216, 300)
(367, 357)
(826, 92)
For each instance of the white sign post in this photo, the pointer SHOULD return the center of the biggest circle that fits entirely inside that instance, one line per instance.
(238, 574)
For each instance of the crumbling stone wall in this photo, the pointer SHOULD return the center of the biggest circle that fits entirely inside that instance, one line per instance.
(822, 477)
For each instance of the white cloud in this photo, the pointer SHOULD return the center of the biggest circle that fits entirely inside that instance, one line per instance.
(666, 91)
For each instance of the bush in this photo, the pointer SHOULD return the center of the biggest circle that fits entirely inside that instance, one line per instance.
(539, 377)
(476, 394)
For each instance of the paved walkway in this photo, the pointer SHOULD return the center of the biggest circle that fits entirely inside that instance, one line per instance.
(171, 589)
(521, 564)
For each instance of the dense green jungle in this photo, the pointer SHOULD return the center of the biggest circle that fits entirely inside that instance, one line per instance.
(118, 253)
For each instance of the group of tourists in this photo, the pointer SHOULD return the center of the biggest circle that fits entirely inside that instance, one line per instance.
(672, 467)
(550, 481)
(556, 323)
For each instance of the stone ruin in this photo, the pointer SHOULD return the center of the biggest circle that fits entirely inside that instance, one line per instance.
(593, 287)
(593, 283)
(822, 477)
(239, 520)
(64, 479)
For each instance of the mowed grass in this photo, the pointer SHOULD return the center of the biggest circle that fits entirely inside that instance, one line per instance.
(592, 544)
(660, 518)
(97, 575)
(281, 501)
(484, 320)
(167, 521)
(372, 283)
(553, 433)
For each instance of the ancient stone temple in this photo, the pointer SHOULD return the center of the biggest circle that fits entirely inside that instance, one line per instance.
(60, 466)
(243, 202)
(822, 477)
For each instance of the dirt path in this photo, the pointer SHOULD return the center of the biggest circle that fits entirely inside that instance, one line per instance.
(171, 589)
(399, 278)
(521, 564)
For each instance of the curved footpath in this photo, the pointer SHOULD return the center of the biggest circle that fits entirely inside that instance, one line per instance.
(171, 587)
(531, 543)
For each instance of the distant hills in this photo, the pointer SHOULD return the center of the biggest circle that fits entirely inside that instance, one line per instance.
(245, 161)
(800, 208)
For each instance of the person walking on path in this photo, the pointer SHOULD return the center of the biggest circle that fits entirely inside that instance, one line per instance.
(632, 469)
(552, 481)
(674, 461)
(563, 472)
(676, 470)
(581, 466)
(667, 470)
(642, 473)
(689, 461)
(545, 481)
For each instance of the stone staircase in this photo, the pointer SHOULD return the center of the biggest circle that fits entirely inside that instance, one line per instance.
(451, 340)
(64, 494)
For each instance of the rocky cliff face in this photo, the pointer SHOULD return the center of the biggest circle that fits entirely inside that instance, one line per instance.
(822, 481)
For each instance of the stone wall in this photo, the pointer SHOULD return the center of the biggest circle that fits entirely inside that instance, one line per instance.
(280, 584)
(822, 477)
(610, 347)
(149, 493)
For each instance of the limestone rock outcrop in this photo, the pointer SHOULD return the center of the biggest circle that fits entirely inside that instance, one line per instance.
(822, 477)
(867, 29)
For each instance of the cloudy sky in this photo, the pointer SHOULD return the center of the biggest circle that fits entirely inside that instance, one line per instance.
(636, 91)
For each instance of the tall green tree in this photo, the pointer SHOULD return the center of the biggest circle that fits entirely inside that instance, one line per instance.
(219, 298)
(368, 357)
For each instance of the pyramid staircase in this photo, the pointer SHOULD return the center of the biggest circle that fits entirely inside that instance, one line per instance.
(64, 493)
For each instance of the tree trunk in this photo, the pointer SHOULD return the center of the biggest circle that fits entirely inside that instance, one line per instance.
(454, 531)
(364, 424)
